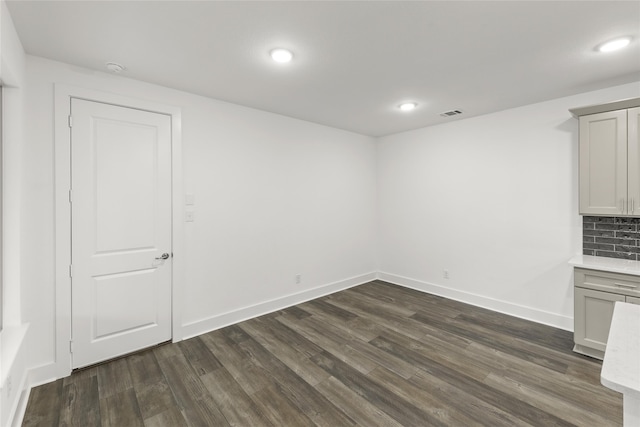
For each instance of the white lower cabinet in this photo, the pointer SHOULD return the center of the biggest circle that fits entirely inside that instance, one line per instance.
(595, 294)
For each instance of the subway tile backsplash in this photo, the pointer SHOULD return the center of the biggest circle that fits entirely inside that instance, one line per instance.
(613, 237)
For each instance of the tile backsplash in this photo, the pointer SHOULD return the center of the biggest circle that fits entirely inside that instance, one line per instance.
(613, 237)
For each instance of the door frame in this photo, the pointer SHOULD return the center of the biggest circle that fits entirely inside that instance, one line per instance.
(62, 148)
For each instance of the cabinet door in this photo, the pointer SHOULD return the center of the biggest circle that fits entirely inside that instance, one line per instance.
(603, 163)
(633, 300)
(633, 147)
(593, 313)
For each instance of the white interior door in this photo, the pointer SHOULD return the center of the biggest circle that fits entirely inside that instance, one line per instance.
(121, 227)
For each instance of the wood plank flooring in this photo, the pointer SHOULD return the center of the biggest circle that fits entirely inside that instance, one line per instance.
(373, 355)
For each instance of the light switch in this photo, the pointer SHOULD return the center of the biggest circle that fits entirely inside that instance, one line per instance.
(189, 216)
(190, 199)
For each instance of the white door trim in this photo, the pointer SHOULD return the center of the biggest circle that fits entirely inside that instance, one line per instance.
(63, 95)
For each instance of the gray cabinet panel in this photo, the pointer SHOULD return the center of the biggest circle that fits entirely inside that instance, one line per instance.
(593, 313)
(633, 148)
(603, 163)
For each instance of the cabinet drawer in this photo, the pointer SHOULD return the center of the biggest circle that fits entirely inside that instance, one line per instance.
(622, 284)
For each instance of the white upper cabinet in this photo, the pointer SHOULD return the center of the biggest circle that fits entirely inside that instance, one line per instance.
(633, 174)
(603, 163)
(610, 159)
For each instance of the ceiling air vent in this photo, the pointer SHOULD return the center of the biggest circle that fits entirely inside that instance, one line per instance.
(451, 113)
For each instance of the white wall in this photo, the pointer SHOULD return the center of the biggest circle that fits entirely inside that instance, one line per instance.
(274, 197)
(13, 348)
(493, 200)
(12, 70)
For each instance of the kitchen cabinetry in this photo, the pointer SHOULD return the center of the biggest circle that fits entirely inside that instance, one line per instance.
(610, 158)
(595, 294)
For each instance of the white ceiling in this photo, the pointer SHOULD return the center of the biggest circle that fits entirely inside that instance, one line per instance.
(355, 61)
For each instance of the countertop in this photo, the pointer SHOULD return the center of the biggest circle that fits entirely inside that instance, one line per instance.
(621, 366)
(613, 265)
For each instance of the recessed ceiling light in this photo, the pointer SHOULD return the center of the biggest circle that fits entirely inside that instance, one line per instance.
(616, 44)
(114, 67)
(281, 55)
(407, 106)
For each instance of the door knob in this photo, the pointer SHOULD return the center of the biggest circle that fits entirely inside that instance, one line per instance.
(163, 256)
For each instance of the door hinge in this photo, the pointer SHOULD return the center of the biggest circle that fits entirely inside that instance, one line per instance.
(70, 270)
(71, 346)
(70, 121)
(70, 198)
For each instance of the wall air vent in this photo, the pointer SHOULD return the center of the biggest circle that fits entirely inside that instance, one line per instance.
(451, 113)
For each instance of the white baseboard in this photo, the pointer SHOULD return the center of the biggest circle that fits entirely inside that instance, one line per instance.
(523, 312)
(47, 373)
(33, 378)
(220, 321)
(21, 408)
(13, 376)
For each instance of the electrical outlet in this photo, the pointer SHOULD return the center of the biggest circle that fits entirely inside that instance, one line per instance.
(189, 216)
(445, 274)
(298, 279)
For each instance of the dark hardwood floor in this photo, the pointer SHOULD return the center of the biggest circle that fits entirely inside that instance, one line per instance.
(373, 355)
